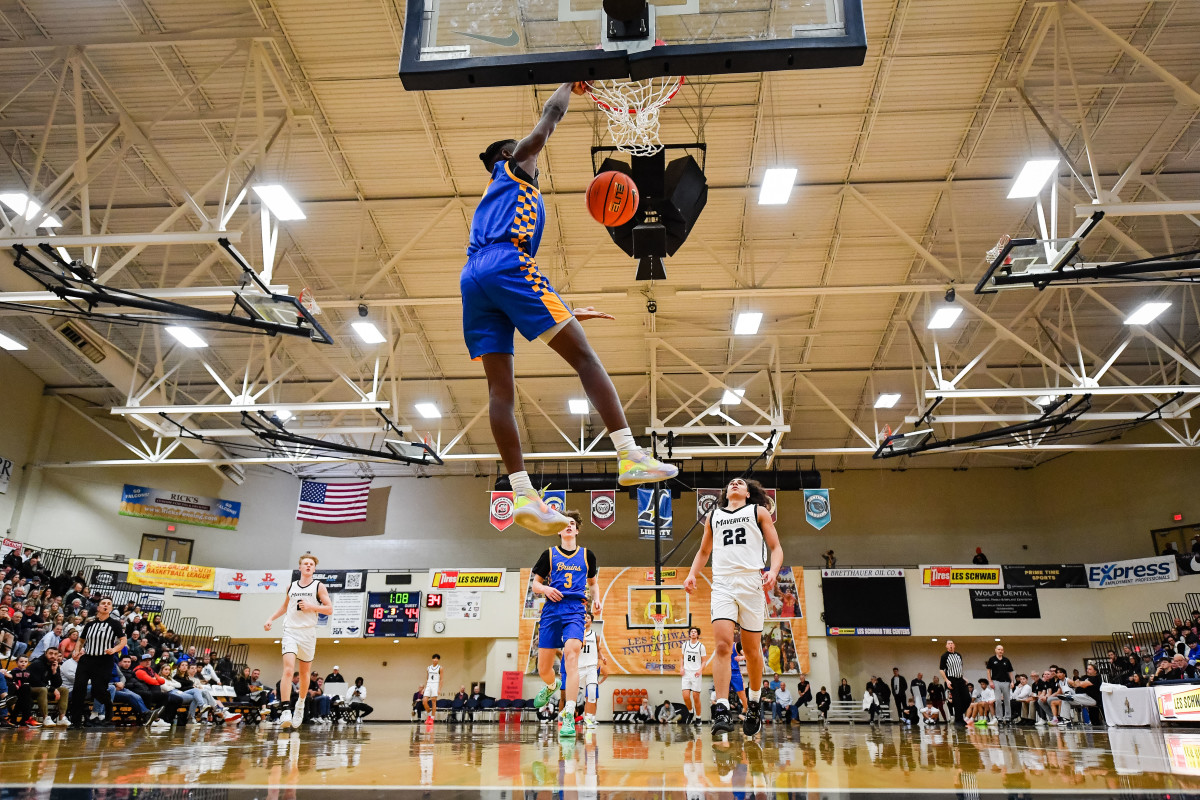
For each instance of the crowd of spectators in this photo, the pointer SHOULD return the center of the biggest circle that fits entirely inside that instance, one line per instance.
(132, 658)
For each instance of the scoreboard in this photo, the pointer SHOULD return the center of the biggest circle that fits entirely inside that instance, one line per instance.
(394, 614)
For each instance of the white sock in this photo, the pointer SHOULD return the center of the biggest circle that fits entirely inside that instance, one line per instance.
(753, 695)
(569, 708)
(520, 482)
(623, 440)
(723, 702)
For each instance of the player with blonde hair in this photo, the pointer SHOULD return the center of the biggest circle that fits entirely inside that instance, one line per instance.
(306, 598)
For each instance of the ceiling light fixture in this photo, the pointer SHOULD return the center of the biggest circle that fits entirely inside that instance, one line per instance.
(577, 406)
(21, 203)
(428, 410)
(776, 186)
(1146, 313)
(1033, 177)
(747, 323)
(186, 336)
(733, 398)
(887, 400)
(944, 317)
(282, 204)
(283, 415)
(9, 343)
(368, 332)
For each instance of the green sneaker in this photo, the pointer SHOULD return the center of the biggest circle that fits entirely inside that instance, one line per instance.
(533, 514)
(638, 466)
(545, 694)
(567, 731)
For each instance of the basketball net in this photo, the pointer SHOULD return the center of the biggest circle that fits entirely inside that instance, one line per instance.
(632, 109)
(306, 299)
(660, 632)
(994, 253)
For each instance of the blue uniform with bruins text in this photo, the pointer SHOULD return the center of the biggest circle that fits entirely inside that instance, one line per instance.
(502, 289)
(564, 620)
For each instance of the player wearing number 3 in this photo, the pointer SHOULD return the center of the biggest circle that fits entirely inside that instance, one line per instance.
(738, 533)
(306, 598)
(562, 575)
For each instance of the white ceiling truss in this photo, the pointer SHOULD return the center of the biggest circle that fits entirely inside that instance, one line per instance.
(143, 130)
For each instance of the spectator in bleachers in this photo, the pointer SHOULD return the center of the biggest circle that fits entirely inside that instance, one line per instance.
(319, 704)
(119, 693)
(357, 699)
(20, 711)
(823, 704)
(49, 640)
(418, 701)
(783, 704)
(1086, 694)
(335, 676)
(1024, 698)
(46, 687)
(208, 671)
(190, 698)
(870, 703)
(844, 692)
(475, 701)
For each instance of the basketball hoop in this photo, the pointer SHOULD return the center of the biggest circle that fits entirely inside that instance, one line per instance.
(306, 299)
(660, 630)
(995, 252)
(632, 109)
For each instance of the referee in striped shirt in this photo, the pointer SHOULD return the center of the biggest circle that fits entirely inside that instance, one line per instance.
(100, 640)
(952, 672)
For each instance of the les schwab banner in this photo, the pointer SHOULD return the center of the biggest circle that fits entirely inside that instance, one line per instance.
(639, 651)
(961, 576)
(479, 580)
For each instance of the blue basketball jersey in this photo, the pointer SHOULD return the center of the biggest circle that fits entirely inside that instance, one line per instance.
(569, 573)
(511, 212)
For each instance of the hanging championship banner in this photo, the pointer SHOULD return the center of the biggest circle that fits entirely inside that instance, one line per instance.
(501, 510)
(772, 505)
(604, 507)
(706, 501)
(556, 499)
(816, 507)
(645, 500)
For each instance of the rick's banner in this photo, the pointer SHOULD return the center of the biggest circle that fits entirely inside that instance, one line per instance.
(188, 509)
(816, 507)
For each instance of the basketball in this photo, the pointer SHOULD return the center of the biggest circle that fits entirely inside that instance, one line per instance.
(612, 198)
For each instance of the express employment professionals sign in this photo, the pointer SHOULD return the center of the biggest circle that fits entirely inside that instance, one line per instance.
(1158, 569)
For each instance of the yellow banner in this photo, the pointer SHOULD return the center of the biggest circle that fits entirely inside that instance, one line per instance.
(973, 575)
(168, 575)
(476, 579)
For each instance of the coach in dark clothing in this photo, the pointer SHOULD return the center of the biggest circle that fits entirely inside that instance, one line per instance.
(883, 693)
(951, 667)
(100, 640)
(899, 691)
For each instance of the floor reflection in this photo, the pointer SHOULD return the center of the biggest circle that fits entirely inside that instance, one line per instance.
(525, 760)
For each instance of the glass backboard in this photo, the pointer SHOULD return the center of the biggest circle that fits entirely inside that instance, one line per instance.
(462, 43)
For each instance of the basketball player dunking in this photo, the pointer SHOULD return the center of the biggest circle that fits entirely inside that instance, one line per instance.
(306, 598)
(503, 291)
(737, 533)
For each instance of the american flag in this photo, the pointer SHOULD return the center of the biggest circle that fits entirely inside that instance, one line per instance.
(333, 502)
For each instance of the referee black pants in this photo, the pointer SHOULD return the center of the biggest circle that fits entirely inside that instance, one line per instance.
(961, 698)
(96, 672)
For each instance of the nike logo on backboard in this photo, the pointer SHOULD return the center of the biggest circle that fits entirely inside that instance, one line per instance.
(506, 41)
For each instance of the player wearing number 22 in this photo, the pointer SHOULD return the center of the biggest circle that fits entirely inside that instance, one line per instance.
(737, 533)
(503, 291)
(563, 575)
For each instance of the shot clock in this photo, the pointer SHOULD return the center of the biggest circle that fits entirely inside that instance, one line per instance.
(394, 614)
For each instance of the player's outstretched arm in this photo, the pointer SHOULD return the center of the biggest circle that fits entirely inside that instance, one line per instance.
(771, 537)
(701, 558)
(282, 610)
(555, 109)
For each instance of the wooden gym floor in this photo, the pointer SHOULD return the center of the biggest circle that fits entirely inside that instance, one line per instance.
(507, 761)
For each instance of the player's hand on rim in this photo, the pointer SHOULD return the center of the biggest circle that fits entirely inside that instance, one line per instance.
(589, 312)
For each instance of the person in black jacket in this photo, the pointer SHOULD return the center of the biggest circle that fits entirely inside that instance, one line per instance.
(823, 703)
(844, 690)
(19, 681)
(45, 686)
(900, 692)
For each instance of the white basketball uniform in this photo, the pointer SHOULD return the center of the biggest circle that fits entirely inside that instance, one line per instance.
(300, 627)
(434, 679)
(738, 557)
(589, 666)
(693, 665)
